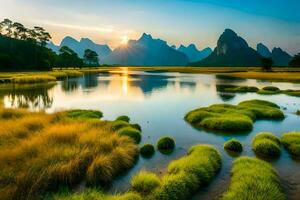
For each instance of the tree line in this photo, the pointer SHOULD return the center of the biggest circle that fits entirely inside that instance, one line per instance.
(22, 48)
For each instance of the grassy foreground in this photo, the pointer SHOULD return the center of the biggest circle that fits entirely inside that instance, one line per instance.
(45, 152)
(291, 142)
(253, 179)
(226, 117)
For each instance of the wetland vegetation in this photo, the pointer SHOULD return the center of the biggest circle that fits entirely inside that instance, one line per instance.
(266, 145)
(226, 117)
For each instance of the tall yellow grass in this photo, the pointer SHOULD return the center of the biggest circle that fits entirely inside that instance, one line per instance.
(41, 153)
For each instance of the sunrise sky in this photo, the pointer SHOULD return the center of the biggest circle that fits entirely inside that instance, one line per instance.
(275, 23)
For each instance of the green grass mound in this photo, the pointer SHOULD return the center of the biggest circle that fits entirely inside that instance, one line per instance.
(253, 179)
(298, 112)
(295, 93)
(132, 133)
(242, 89)
(136, 126)
(269, 90)
(166, 143)
(186, 175)
(93, 194)
(267, 145)
(123, 118)
(226, 117)
(233, 145)
(147, 150)
(291, 141)
(116, 125)
(84, 114)
(145, 183)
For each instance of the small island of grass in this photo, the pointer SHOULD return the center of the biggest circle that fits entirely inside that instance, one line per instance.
(147, 150)
(233, 145)
(291, 141)
(166, 144)
(266, 145)
(236, 118)
(253, 179)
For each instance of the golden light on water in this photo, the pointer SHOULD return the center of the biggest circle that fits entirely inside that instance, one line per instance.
(125, 80)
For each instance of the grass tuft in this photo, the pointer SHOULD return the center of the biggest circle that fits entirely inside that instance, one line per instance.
(253, 179)
(233, 145)
(291, 141)
(266, 145)
(226, 117)
(84, 114)
(166, 143)
(147, 150)
(145, 183)
(123, 118)
(131, 133)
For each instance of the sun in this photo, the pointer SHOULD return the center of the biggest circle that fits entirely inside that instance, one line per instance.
(124, 40)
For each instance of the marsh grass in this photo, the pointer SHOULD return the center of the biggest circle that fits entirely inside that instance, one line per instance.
(165, 143)
(291, 141)
(147, 150)
(123, 118)
(92, 194)
(233, 145)
(266, 145)
(84, 114)
(145, 183)
(253, 179)
(42, 153)
(241, 89)
(226, 117)
(27, 79)
(132, 133)
(298, 112)
(186, 175)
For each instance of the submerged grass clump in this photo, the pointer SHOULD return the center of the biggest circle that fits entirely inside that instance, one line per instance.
(242, 89)
(186, 175)
(298, 112)
(226, 117)
(291, 141)
(253, 179)
(43, 152)
(166, 143)
(131, 132)
(266, 145)
(233, 145)
(147, 150)
(42, 78)
(84, 114)
(145, 183)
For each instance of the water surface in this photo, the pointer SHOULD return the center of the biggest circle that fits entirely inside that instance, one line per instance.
(158, 102)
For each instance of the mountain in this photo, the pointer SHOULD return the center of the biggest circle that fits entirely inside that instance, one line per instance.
(80, 46)
(193, 53)
(146, 52)
(280, 57)
(263, 50)
(231, 50)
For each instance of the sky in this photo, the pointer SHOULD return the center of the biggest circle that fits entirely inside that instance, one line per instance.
(275, 23)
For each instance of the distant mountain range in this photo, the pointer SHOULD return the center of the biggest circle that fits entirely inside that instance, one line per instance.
(80, 46)
(231, 50)
(147, 51)
(280, 57)
(193, 53)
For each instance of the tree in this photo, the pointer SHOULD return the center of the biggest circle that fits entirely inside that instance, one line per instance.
(42, 37)
(6, 27)
(267, 64)
(91, 57)
(19, 31)
(68, 58)
(295, 62)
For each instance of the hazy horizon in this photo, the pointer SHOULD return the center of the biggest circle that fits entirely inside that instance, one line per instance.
(275, 24)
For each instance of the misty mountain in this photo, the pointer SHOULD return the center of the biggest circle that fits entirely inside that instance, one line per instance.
(80, 46)
(280, 57)
(263, 50)
(146, 51)
(231, 50)
(193, 53)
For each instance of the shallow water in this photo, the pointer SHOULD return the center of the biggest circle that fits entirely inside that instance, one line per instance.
(158, 102)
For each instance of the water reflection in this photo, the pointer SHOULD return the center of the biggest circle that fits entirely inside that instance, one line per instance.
(35, 97)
